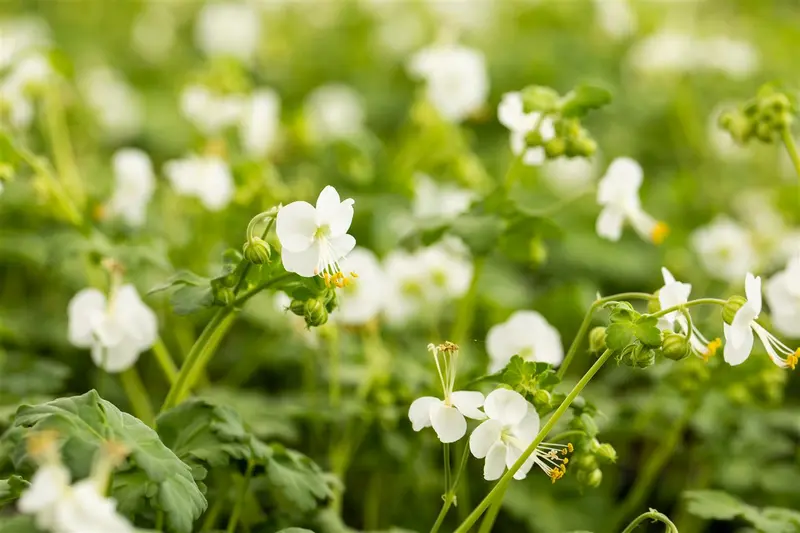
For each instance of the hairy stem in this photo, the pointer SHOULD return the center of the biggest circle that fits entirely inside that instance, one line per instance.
(450, 494)
(654, 515)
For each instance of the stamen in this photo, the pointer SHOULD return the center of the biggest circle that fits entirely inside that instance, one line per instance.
(660, 232)
(711, 349)
(793, 359)
(551, 458)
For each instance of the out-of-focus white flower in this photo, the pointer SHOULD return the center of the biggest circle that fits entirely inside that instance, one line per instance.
(447, 415)
(735, 57)
(783, 296)
(527, 334)
(363, 299)
(85, 510)
(725, 249)
(434, 200)
(207, 178)
(673, 294)
(314, 238)
(618, 194)
(512, 115)
(211, 113)
(134, 185)
(116, 105)
(570, 175)
(457, 83)
(49, 485)
(153, 32)
(260, 123)
(17, 89)
(228, 29)
(773, 240)
(334, 111)
(20, 35)
(117, 329)
(616, 17)
(512, 426)
(739, 333)
(466, 15)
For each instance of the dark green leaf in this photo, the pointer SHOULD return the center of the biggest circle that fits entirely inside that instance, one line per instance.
(646, 330)
(11, 488)
(295, 480)
(583, 99)
(714, 504)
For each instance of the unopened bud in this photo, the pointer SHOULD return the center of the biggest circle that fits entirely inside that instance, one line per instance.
(224, 296)
(581, 147)
(597, 339)
(638, 356)
(533, 138)
(595, 478)
(298, 307)
(315, 313)
(257, 251)
(331, 300)
(585, 462)
(764, 132)
(731, 307)
(541, 399)
(537, 98)
(604, 451)
(555, 147)
(675, 346)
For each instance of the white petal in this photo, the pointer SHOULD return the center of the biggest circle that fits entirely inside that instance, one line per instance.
(752, 290)
(139, 321)
(420, 412)
(484, 437)
(116, 358)
(667, 275)
(737, 354)
(342, 245)
(337, 216)
(533, 157)
(305, 263)
(510, 112)
(629, 171)
(448, 423)
(512, 455)
(495, 463)
(673, 294)
(499, 346)
(48, 485)
(83, 305)
(517, 142)
(528, 427)
(609, 223)
(505, 405)
(328, 202)
(469, 403)
(740, 326)
(295, 226)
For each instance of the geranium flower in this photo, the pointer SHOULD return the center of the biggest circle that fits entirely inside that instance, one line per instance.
(117, 329)
(739, 334)
(675, 293)
(527, 334)
(783, 295)
(334, 111)
(362, 300)
(725, 249)
(314, 238)
(512, 426)
(512, 115)
(134, 185)
(228, 29)
(207, 178)
(618, 194)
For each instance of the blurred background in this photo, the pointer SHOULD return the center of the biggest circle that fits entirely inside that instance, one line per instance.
(331, 95)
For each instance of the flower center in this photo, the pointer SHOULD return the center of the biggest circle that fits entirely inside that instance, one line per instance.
(527, 353)
(322, 232)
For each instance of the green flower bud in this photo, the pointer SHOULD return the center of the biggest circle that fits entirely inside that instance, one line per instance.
(541, 399)
(764, 132)
(298, 307)
(731, 307)
(597, 339)
(604, 451)
(315, 313)
(578, 403)
(595, 478)
(638, 356)
(257, 251)
(555, 147)
(533, 138)
(581, 147)
(223, 296)
(585, 462)
(539, 99)
(675, 346)
(331, 300)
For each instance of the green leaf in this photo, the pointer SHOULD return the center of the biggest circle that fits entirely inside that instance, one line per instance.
(619, 335)
(295, 480)
(188, 299)
(182, 277)
(18, 524)
(27, 374)
(85, 423)
(582, 99)
(11, 488)
(714, 504)
(526, 377)
(479, 232)
(646, 330)
(199, 431)
(538, 98)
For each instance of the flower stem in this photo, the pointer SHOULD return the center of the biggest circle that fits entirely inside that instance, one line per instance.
(466, 308)
(450, 495)
(237, 507)
(791, 148)
(491, 515)
(60, 144)
(446, 450)
(693, 303)
(164, 360)
(137, 395)
(652, 515)
(501, 485)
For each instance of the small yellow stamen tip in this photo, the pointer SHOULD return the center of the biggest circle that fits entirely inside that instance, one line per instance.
(353, 274)
(659, 233)
(793, 359)
(711, 349)
(569, 447)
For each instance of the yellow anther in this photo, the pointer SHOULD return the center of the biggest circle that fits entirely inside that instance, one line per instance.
(793, 359)
(660, 232)
(353, 274)
(566, 460)
(569, 447)
(711, 349)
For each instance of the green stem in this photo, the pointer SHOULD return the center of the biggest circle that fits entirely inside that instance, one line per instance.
(693, 303)
(466, 308)
(211, 516)
(334, 372)
(491, 516)
(446, 450)
(137, 395)
(164, 360)
(159, 520)
(60, 143)
(237, 506)
(450, 495)
(791, 148)
(501, 485)
(652, 515)
(559, 205)
(260, 287)
(567, 434)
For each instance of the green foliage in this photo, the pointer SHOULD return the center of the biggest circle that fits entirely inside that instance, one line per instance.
(18, 524)
(719, 505)
(11, 488)
(584, 98)
(84, 423)
(295, 481)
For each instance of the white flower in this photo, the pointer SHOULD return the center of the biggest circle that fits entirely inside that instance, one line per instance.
(664, 51)
(116, 105)
(208, 112)
(228, 29)
(205, 177)
(84, 509)
(134, 185)
(734, 57)
(673, 294)
(314, 239)
(512, 426)
(49, 485)
(568, 176)
(511, 114)
(527, 334)
(258, 129)
(334, 111)
(456, 80)
(783, 295)
(434, 200)
(615, 17)
(362, 299)
(116, 329)
(153, 32)
(447, 415)
(725, 249)
(618, 194)
(19, 36)
(28, 76)
(739, 334)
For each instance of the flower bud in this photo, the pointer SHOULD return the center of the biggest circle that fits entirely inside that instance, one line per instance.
(731, 307)
(675, 346)
(541, 399)
(257, 251)
(555, 147)
(315, 313)
(533, 138)
(581, 146)
(597, 339)
(595, 478)
(764, 132)
(539, 99)
(585, 462)
(331, 300)
(298, 307)
(638, 356)
(604, 451)
(223, 295)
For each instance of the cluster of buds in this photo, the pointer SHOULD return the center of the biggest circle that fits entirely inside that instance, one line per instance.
(315, 310)
(764, 117)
